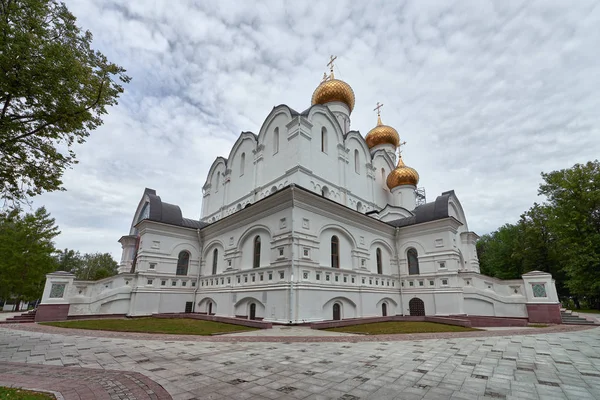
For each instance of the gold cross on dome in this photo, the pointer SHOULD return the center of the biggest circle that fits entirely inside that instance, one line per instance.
(330, 63)
(378, 109)
(400, 147)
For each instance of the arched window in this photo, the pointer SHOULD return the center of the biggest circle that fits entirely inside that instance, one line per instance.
(242, 163)
(325, 191)
(413, 262)
(324, 140)
(358, 206)
(276, 140)
(218, 181)
(215, 261)
(183, 262)
(256, 258)
(382, 175)
(335, 252)
(384, 309)
(379, 264)
(356, 162)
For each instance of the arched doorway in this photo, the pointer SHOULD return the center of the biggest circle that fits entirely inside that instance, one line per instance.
(384, 309)
(210, 308)
(337, 312)
(253, 311)
(416, 306)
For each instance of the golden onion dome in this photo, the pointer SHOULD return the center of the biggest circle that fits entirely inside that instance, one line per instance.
(382, 134)
(402, 175)
(333, 90)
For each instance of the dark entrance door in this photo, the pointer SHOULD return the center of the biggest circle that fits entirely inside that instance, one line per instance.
(384, 310)
(416, 306)
(210, 308)
(337, 315)
(253, 311)
(188, 306)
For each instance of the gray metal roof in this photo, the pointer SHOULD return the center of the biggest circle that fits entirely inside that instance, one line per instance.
(426, 212)
(170, 214)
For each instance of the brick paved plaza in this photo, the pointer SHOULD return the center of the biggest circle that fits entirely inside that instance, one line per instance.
(559, 365)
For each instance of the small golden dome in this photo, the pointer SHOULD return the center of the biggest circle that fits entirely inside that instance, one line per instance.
(382, 134)
(334, 90)
(402, 175)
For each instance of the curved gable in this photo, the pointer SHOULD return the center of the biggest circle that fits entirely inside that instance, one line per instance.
(218, 161)
(281, 109)
(455, 209)
(244, 136)
(356, 137)
(326, 112)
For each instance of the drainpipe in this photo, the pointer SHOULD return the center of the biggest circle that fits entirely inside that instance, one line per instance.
(199, 269)
(291, 288)
(396, 242)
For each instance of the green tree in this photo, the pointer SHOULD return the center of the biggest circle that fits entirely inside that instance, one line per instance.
(68, 260)
(96, 266)
(574, 201)
(500, 253)
(26, 253)
(54, 88)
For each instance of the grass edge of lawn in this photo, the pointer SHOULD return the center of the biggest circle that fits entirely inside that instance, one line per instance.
(179, 326)
(25, 394)
(362, 329)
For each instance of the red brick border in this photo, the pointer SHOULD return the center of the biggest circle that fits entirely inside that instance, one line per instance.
(76, 383)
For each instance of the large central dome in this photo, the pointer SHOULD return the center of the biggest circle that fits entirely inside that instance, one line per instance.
(334, 90)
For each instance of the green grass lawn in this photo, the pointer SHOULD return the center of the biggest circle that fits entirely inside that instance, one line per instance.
(381, 328)
(588, 310)
(20, 394)
(178, 326)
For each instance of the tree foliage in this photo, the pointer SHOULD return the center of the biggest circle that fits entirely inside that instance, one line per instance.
(561, 236)
(96, 266)
(54, 88)
(26, 249)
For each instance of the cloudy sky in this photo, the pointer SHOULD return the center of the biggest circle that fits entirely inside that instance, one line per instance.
(487, 95)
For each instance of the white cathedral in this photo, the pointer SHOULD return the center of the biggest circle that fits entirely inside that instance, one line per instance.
(305, 221)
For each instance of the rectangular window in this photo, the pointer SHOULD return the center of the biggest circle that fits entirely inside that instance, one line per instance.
(173, 283)
(431, 283)
(363, 281)
(152, 265)
(238, 279)
(370, 281)
(163, 283)
(345, 279)
(193, 283)
(337, 278)
(402, 283)
(253, 278)
(261, 277)
(393, 283)
(281, 275)
(443, 264)
(444, 282)
(245, 278)
(228, 280)
(411, 283)
(318, 277)
(305, 275)
(421, 283)
(306, 252)
(281, 251)
(222, 281)
(352, 279)
(327, 277)
(270, 276)
(150, 282)
(184, 283)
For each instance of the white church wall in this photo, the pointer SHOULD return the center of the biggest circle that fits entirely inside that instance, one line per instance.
(357, 179)
(242, 176)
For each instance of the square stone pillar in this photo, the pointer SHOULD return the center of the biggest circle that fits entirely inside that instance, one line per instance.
(542, 300)
(55, 304)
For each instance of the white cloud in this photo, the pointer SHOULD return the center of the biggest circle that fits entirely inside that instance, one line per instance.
(487, 95)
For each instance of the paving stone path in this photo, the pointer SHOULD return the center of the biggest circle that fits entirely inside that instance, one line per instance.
(561, 365)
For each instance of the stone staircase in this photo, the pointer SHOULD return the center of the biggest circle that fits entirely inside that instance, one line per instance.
(29, 316)
(572, 318)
